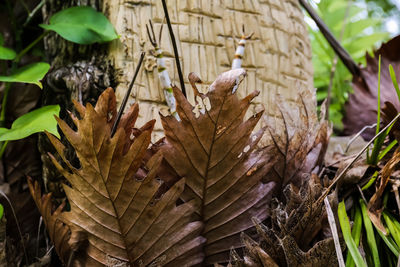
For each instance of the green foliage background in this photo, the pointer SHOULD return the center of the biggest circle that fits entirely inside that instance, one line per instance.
(359, 29)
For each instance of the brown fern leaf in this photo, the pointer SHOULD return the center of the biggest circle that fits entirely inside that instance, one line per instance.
(214, 149)
(301, 140)
(292, 237)
(59, 233)
(115, 217)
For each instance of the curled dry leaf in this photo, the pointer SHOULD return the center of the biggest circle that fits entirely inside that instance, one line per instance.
(301, 140)
(215, 150)
(115, 217)
(361, 108)
(59, 233)
(375, 207)
(291, 239)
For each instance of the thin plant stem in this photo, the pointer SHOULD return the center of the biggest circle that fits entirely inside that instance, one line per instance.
(333, 42)
(30, 46)
(33, 13)
(378, 120)
(17, 223)
(171, 33)
(342, 173)
(3, 105)
(3, 148)
(125, 100)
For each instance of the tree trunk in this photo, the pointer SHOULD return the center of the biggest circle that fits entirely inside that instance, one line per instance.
(79, 72)
(277, 58)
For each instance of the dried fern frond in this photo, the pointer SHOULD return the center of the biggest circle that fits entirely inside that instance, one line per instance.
(300, 138)
(214, 149)
(115, 216)
(292, 239)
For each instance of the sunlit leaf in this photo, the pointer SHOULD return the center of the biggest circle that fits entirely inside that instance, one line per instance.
(82, 25)
(35, 121)
(7, 53)
(31, 73)
(357, 27)
(365, 42)
(116, 217)
(214, 148)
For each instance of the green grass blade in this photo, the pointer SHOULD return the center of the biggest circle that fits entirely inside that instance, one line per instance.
(394, 80)
(356, 234)
(373, 160)
(392, 228)
(371, 181)
(370, 234)
(390, 243)
(378, 119)
(351, 245)
(387, 149)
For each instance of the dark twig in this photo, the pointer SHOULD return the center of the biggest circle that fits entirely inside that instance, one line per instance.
(125, 100)
(336, 46)
(152, 36)
(171, 33)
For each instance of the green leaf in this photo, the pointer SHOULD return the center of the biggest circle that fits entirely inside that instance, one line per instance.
(358, 27)
(39, 120)
(359, 45)
(356, 234)
(7, 53)
(351, 245)
(31, 73)
(1, 211)
(82, 25)
(394, 80)
(370, 234)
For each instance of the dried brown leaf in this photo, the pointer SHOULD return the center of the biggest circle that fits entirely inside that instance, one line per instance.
(301, 140)
(59, 233)
(214, 149)
(115, 217)
(291, 239)
(375, 206)
(361, 108)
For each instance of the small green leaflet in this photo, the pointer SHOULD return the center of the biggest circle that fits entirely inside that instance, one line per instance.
(7, 53)
(1, 211)
(82, 25)
(31, 73)
(39, 120)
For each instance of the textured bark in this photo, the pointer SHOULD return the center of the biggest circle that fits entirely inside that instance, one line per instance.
(78, 72)
(277, 58)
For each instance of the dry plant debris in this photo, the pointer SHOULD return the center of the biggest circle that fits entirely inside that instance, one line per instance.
(219, 183)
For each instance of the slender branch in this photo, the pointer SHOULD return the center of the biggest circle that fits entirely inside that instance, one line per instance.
(3, 105)
(30, 46)
(171, 33)
(342, 173)
(336, 46)
(125, 100)
(33, 13)
(3, 148)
